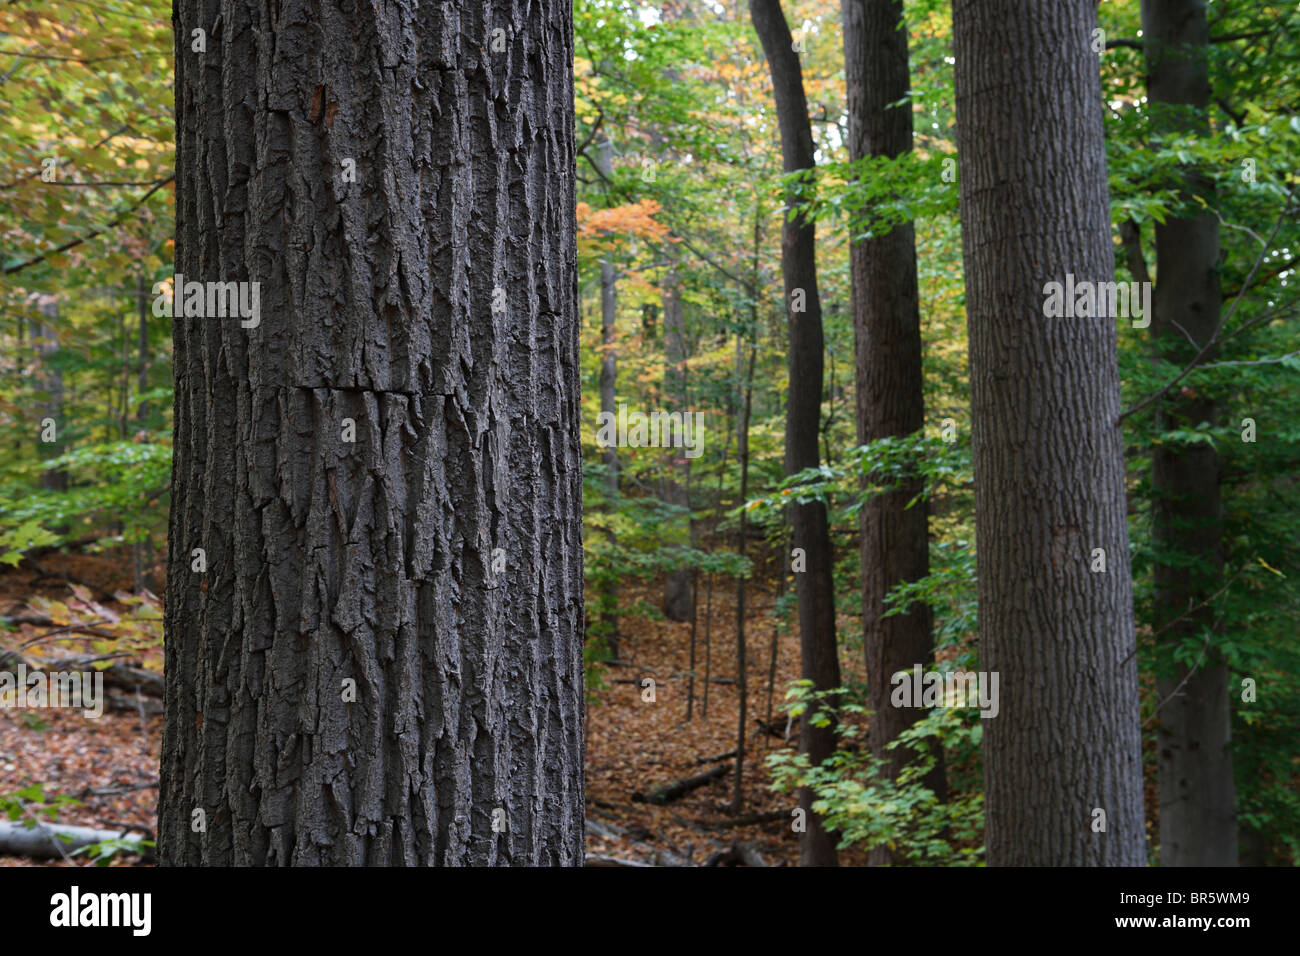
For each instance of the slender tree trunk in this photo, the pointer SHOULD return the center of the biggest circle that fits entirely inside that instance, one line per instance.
(1198, 824)
(1062, 758)
(46, 340)
(708, 600)
(677, 586)
(142, 551)
(746, 380)
(803, 407)
(608, 389)
(695, 622)
(708, 642)
(376, 658)
(890, 385)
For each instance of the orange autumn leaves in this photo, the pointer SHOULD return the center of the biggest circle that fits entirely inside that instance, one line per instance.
(603, 230)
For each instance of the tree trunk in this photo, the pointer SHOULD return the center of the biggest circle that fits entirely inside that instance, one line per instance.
(431, 568)
(1198, 825)
(608, 384)
(745, 378)
(46, 340)
(1049, 472)
(811, 534)
(142, 551)
(890, 385)
(677, 585)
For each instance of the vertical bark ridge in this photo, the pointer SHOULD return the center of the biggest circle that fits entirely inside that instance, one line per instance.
(1047, 450)
(375, 560)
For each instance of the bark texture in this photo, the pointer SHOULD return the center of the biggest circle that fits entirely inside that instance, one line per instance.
(890, 385)
(1198, 825)
(820, 661)
(372, 561)
(1049, 472)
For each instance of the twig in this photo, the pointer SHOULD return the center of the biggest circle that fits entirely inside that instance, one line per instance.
(1214, 339)
(72, 243)
(54, 837)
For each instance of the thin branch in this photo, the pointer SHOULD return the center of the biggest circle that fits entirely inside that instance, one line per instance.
(109, 182)
(54, 837)
(1215, 338)
(704, 256)
(1134, 44)
(1233, 37)
(1267, 361)
(1187, 335)
(600, 118)
(90, 235)
(32, 175)
(1269, 275)
(1182, 683)
(83, 59)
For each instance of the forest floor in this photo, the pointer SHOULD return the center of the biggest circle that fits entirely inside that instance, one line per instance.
(110, 764)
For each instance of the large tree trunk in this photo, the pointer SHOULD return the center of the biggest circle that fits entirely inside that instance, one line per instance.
(811, 534)
(1198, 825)
(890, 385)
(435, 563)
(677, 585)
(1049, 472)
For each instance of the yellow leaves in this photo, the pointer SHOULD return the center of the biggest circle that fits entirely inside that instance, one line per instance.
(1269, 567)
(58, 612)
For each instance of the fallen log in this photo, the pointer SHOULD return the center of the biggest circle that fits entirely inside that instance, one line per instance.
(738, 854)
(44, 840)
(121, 676)
(729, 755)
(133, 678)
(609, 831)
(748, 819)
(151, 708)
(600, 859)
(777, 728)
(679, 788)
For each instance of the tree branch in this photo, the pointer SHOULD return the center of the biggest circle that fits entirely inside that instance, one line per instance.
(93, 233)
(1215, 338)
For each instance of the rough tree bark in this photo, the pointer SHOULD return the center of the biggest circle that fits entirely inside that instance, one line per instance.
(435, 561)
(1198, 824)
(811, 534)
(890, 385)
(1049, 472)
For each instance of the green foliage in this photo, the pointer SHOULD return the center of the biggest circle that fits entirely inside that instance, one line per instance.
(31, 803)
(858, 801)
